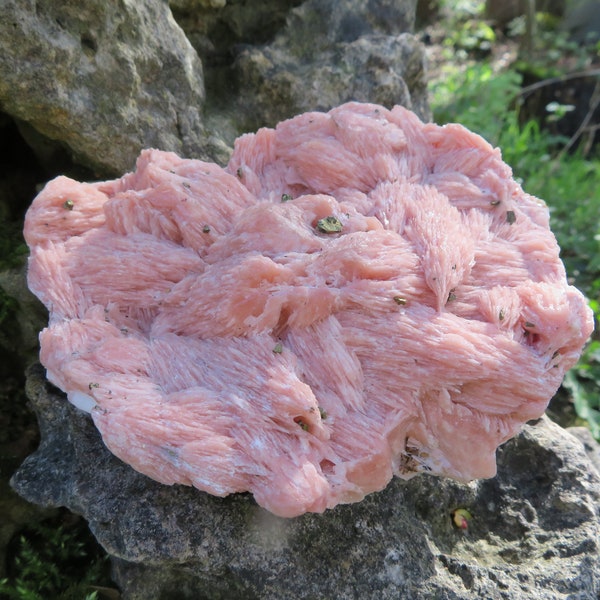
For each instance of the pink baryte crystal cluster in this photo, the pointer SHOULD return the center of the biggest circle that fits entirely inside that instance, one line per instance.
(357, 295)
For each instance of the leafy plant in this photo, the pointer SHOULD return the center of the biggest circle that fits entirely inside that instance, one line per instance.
(53, 562)
(583, 382)
(459, 9)
(570, 188)
(12, 246)
(553, 53)
(472, 36)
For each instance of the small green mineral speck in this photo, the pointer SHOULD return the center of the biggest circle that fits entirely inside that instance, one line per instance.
(501, 314)
(510, 217)
(93, 385)
(186, 185)
(302, 424)
(461, 518)
(69, 204)
(286, 197)
(400, 300)
(278, 349)
(451, 297)
(206, 229)
(329, 224)
(495, 202)
(239, 172)
(323, 413)
(529, 324)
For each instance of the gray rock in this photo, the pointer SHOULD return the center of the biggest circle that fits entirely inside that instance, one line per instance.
(534, 532)
(101, 84)
(590, 445)
(102, 81)
(330, 53)
(317, 24)
(214, 27)
(386, 70)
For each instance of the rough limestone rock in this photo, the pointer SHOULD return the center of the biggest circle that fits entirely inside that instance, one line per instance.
(533, 534)
(584, 435)
(282, 57)
(82, 76)
(214, 27)
(330, 53)
(104, 82)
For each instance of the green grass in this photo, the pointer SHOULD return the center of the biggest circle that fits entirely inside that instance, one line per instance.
(48, 562)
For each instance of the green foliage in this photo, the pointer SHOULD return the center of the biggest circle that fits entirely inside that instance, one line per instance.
(583, 383)
(553, 52)
(462, 8)
(12, 246)
(477, 97)
(472, 36)
(8, 308)
(47, 563)
(570, 187)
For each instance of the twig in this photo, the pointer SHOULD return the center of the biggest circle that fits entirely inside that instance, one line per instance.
(530, 25)
(560, 79)
(594, 102)
(591, 131)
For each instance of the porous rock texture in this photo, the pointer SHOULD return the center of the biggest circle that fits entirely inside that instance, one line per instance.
(102, 80)
(533, 534)
(356, 50)
(99, 82)
(357, 295)
(216, 27)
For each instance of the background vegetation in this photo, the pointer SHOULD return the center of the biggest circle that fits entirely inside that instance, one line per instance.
(56, 559)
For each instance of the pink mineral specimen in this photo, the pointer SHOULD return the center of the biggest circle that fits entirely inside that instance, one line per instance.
(357, 295)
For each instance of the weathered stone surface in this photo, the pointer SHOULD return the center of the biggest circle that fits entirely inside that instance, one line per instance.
(102, 80)
(329, 53)
(386, 70)
(268, 61)
(592, 448)
(214, 27)
(102, 83)
(534, 532)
